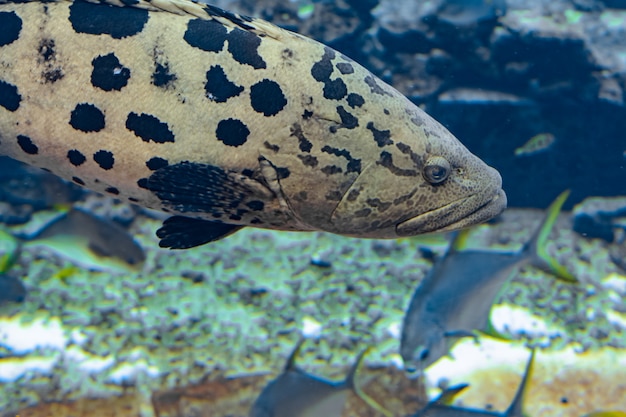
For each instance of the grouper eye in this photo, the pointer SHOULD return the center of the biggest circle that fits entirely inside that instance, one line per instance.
(436, 170)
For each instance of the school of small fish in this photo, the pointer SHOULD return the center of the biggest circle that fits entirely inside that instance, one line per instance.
(225, 121)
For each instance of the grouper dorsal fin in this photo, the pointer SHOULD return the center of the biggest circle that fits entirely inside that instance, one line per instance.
(197, 9)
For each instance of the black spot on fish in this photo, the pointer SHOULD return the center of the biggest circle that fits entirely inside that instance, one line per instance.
(162, 77)
(309, 160)
(354, 194)
(143, 183)
(46, 50)
(149, 128)
(156, 163)
(108, 73)
(304, 144)
(208, 35)
(243, 46)
(355, 100)
(382, 137)
(104, 159)
(248, 173)
(99, 19)
(363, 212)
(332, 169)
(282, 172)
(335, 89)
(333, 196)
(386, 161)
(9, 97)
(406, 149)
(255, 205)
(133, 200)
(87, 118)
(218, 87)
(271, 147)
(348, 120)
(232, 132)
(267, 97)
(404, 198)
(322, 69)
(112, 190)
(78, 181)
(302, 195)
(377, 203)
(354, 165)
(307, 114)
(287, 54)
(374, 87)
(75, 157)
(345, 68)
(10, 27)
(27, 145)
(53, 75)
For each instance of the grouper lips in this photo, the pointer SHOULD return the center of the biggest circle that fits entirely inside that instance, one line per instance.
(452, 216)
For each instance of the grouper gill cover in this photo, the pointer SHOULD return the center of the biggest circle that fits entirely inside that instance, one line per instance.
(226, 121)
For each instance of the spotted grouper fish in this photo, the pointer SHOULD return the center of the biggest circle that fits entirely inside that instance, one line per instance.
(226, 121)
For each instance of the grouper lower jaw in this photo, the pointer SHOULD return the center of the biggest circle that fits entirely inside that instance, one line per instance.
(447, 218)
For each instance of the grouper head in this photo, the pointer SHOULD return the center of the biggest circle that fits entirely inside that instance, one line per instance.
(423, 180)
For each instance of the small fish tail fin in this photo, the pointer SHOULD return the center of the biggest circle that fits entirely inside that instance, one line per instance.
(516, 409)
(459, 241)
(8, 259)
(536, 247)
(350, 383)
(448, 395)
(291, 361)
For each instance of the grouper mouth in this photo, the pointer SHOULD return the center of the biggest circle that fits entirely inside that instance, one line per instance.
(455, 215)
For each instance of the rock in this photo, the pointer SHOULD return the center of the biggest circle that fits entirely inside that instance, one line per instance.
(596, 217)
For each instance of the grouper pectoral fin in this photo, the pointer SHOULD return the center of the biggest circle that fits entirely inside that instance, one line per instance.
(190, 187)
(180, 232)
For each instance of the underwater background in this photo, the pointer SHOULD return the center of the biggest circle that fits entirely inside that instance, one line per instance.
(534, 88)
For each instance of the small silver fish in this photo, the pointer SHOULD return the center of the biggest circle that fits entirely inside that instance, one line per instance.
(90, 242)
(296, 393)
(455, 298)
(440, 408)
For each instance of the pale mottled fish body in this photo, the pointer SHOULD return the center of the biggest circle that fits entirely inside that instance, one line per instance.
(197, 111)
